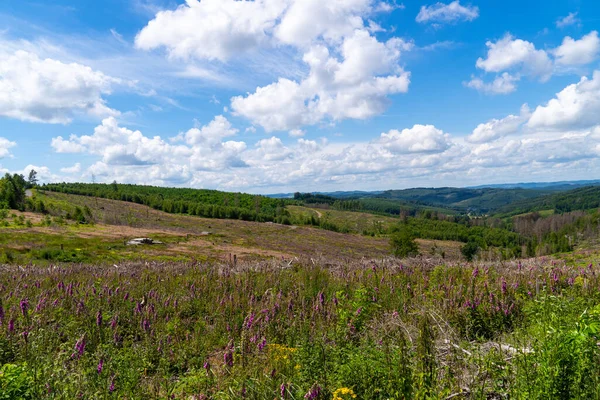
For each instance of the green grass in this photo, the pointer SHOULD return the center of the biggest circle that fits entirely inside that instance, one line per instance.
(380, 329)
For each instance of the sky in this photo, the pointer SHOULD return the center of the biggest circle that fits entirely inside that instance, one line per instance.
(272, 96)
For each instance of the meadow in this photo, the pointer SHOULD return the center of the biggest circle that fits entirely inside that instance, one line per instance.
(237, 309)
(313, 329)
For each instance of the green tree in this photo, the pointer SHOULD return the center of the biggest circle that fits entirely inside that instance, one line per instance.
(403, 244)
(32, 179)
(469, 250)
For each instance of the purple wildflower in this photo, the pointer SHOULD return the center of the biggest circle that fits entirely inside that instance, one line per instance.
(146, 325)
(282, 390)
(249, 321)
(228, 358)
(79, 348)
(313, 392)
(24, 304)
(100, 366)
(262, 344)
(11, 326)
(99, 318)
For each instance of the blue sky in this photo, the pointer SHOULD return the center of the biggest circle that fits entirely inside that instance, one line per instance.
(300, 95)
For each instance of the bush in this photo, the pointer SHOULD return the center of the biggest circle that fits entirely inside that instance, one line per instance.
(15, 383)
(469, 250)
(403, 244)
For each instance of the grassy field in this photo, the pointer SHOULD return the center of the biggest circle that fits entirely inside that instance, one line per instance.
(228, 309)
(312, 329)
(186, 238)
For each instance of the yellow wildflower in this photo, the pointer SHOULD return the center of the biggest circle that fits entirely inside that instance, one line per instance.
(343, 394)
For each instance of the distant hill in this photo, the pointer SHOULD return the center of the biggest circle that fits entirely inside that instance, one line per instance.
(484, 200)
(557, 186)
(583, 198)
(354, 194)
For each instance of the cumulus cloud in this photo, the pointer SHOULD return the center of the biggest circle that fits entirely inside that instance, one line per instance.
(511, 59)
(399, 156)
(5, 146)
(350, 72)
(578, 52)
(510, 53)
(46, 90)
(497, 128)
(418, 139)
(444, 13)
(211, 29)
(221, 29)
(502, 84)
(74, 169)
(218, 129)
(355, 87)
(576, 106)
(297, 133)
(119, 146)
(569, 20)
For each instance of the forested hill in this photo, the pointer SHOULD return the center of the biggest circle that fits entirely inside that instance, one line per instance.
(446, 200)
(201, 202)
(585, 198)
(485, 200)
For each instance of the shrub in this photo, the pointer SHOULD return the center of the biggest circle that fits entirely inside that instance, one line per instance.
(403, 244)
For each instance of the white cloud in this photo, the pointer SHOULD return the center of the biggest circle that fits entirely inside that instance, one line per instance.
(513, 58)
(355, 87)
(418, 139)
(497, 128)
(350, 72)
(218, 129)
(570, 19)
(452, 12)
(297, 133)
(307, 20)
(576, 106)
(502, 84)
(5, 146)
(222, 29)
(425, 153)
(578, 52)
(509, 53)
(120, 146)
(211, 29)
(47, 90)
(74, 169)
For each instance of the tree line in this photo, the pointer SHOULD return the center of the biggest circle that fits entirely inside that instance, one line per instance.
(200, 202)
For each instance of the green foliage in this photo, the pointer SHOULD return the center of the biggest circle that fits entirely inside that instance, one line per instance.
(469, 250)
(585, 198)
(15, 383)
(12, 191)
(403, 244)
(564, 360)
(203, 203)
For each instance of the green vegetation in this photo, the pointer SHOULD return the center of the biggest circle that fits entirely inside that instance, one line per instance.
(378, 331)
(232, 309)
(585, 198)
(12, 191)
(403, 244)
(204, 203)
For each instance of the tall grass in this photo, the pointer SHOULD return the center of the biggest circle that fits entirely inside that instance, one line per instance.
(314, 330)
